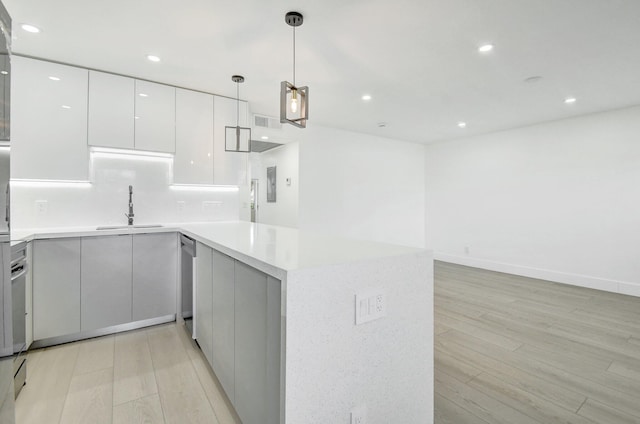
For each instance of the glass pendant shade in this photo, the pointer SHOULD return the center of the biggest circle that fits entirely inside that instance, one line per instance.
(294, 104)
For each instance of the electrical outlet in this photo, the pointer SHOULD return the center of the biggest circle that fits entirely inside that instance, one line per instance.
(370, 305)
(181, 206)
(209, 206)
(359, 416)
(466, 250)
(42, 207)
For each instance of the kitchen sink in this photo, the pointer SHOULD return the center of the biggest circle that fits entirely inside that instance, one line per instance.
(121, 227)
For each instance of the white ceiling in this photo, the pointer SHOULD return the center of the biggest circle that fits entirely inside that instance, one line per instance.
(417, 58)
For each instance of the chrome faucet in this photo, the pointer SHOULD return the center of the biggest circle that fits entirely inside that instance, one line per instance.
(130, 214)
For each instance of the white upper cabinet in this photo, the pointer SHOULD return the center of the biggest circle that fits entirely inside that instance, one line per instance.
(155, 117)
(49, 121)
(193, 161)
(230, 168)
(111, 110)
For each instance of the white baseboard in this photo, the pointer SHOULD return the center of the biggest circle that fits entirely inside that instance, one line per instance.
(614, 286)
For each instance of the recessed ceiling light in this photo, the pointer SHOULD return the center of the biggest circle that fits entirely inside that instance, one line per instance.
(143, 95)
(366, 97)
(382, 124)
(462, 124)
(4, 72)
(264, 137)
(66, 107)
(153, 58)
(52, 78)
(485, 48)
(570, 100)
(30, 28)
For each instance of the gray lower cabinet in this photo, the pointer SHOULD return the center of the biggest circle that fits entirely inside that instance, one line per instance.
(238, 327)
(154, 275)
(223, 360)
(204, 300)
(106, 285)
(56, 287)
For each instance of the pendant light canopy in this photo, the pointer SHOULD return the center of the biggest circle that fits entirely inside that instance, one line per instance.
(294, 101)
(237, 139)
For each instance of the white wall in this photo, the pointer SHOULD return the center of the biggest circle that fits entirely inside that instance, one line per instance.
(360, 186)
(105, 201)
(559, 201)
(284, 211)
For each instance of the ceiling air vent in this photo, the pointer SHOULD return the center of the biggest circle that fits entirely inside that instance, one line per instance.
(266, 122)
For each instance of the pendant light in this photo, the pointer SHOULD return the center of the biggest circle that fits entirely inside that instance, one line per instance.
(237, 139)
(294, 101)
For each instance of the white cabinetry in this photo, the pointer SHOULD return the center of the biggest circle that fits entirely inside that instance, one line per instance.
(204, 300)
(105, 281)
(223, 361)
(155, 116)
(56, 287)
(154, 275)
(193, 161)
(111, 110)
(230, 168)
(49, 121)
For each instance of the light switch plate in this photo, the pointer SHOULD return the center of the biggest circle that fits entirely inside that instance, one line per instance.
(370, 305)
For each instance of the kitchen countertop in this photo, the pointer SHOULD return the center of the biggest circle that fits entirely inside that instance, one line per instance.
(286, 249)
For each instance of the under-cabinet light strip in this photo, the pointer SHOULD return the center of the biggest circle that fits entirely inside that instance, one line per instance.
(198, 187)
(50, 183)
(131, 154)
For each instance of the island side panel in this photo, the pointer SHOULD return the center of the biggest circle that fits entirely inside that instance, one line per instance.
(384, 366)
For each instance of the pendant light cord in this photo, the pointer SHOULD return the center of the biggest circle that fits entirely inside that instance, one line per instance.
(237, 103)
(294, 56)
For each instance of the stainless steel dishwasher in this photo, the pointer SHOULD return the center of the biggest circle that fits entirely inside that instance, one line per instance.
(18, 305)
(188, 253)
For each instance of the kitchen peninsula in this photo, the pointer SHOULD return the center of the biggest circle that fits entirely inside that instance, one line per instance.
(305, 328)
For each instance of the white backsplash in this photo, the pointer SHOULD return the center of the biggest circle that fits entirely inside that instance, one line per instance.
(105, 200)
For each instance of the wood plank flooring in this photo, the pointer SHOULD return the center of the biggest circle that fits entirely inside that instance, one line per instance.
(155, 375)
(516, 350)
(508, 350)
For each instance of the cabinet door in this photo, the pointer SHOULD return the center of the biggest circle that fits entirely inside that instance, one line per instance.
(56, 287)
(106, 281)
(224, 322)
(155, 117)
(155, 263)
(204, 300)
(250, 343)
(229, 168)
(193, 161)
(111, 110)
(49, 121)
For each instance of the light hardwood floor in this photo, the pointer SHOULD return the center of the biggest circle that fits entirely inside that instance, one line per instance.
(517, 350)
(508, 350)
(152, 376)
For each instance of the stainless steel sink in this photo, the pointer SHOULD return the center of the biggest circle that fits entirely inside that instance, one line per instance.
(121, 227)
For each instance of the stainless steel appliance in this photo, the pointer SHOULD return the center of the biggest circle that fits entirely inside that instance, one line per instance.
(188, 253)
(18, 314)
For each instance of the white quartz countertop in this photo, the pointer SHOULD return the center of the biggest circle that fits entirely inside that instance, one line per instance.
(284, 248)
